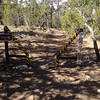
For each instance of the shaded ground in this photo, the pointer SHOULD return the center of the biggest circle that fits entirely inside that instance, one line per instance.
(41, 80)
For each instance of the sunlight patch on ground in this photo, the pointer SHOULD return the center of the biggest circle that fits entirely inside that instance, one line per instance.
(88, 42)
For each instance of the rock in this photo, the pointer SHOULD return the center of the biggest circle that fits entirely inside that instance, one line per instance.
(98, 90)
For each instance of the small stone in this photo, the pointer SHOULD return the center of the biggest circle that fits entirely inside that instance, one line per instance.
(48, 83)
(1, 84)
(98, 90)
(30, 97)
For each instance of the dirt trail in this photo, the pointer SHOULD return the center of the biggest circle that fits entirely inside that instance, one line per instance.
(89, 42)
(41, 81)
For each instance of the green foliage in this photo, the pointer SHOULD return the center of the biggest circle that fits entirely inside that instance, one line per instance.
(90, 11)
(97, 19)
(70, 21)
(6, 13)
(10, 13)
(1, 13)
(64, 16)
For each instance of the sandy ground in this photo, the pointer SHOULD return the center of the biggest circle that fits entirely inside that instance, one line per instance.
(42, 80)
(89, 42)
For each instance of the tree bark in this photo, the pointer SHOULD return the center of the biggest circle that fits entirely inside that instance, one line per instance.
(96, 50)
(94, 41)
(92, 33)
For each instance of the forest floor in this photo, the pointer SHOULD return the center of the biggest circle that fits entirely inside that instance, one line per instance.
(42, 80)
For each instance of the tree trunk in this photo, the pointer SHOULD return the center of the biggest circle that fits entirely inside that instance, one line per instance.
(1, 12)
(94, 41)
(92, 33)
(26, 22)
(96, 49)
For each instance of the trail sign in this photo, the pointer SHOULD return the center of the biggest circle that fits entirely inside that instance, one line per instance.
(5, 37)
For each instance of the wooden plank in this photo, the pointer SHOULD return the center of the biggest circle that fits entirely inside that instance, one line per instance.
(5, 37)
(6, 52)
(17, 55)
(68, 57)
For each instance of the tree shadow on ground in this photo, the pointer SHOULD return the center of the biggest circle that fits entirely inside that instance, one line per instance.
(40, 83)
(88, 58)
(19, 81)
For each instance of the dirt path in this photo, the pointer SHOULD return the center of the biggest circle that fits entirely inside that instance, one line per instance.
(41, 81)
(89, 42)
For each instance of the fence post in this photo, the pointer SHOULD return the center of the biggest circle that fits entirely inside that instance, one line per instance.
(6, 30)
